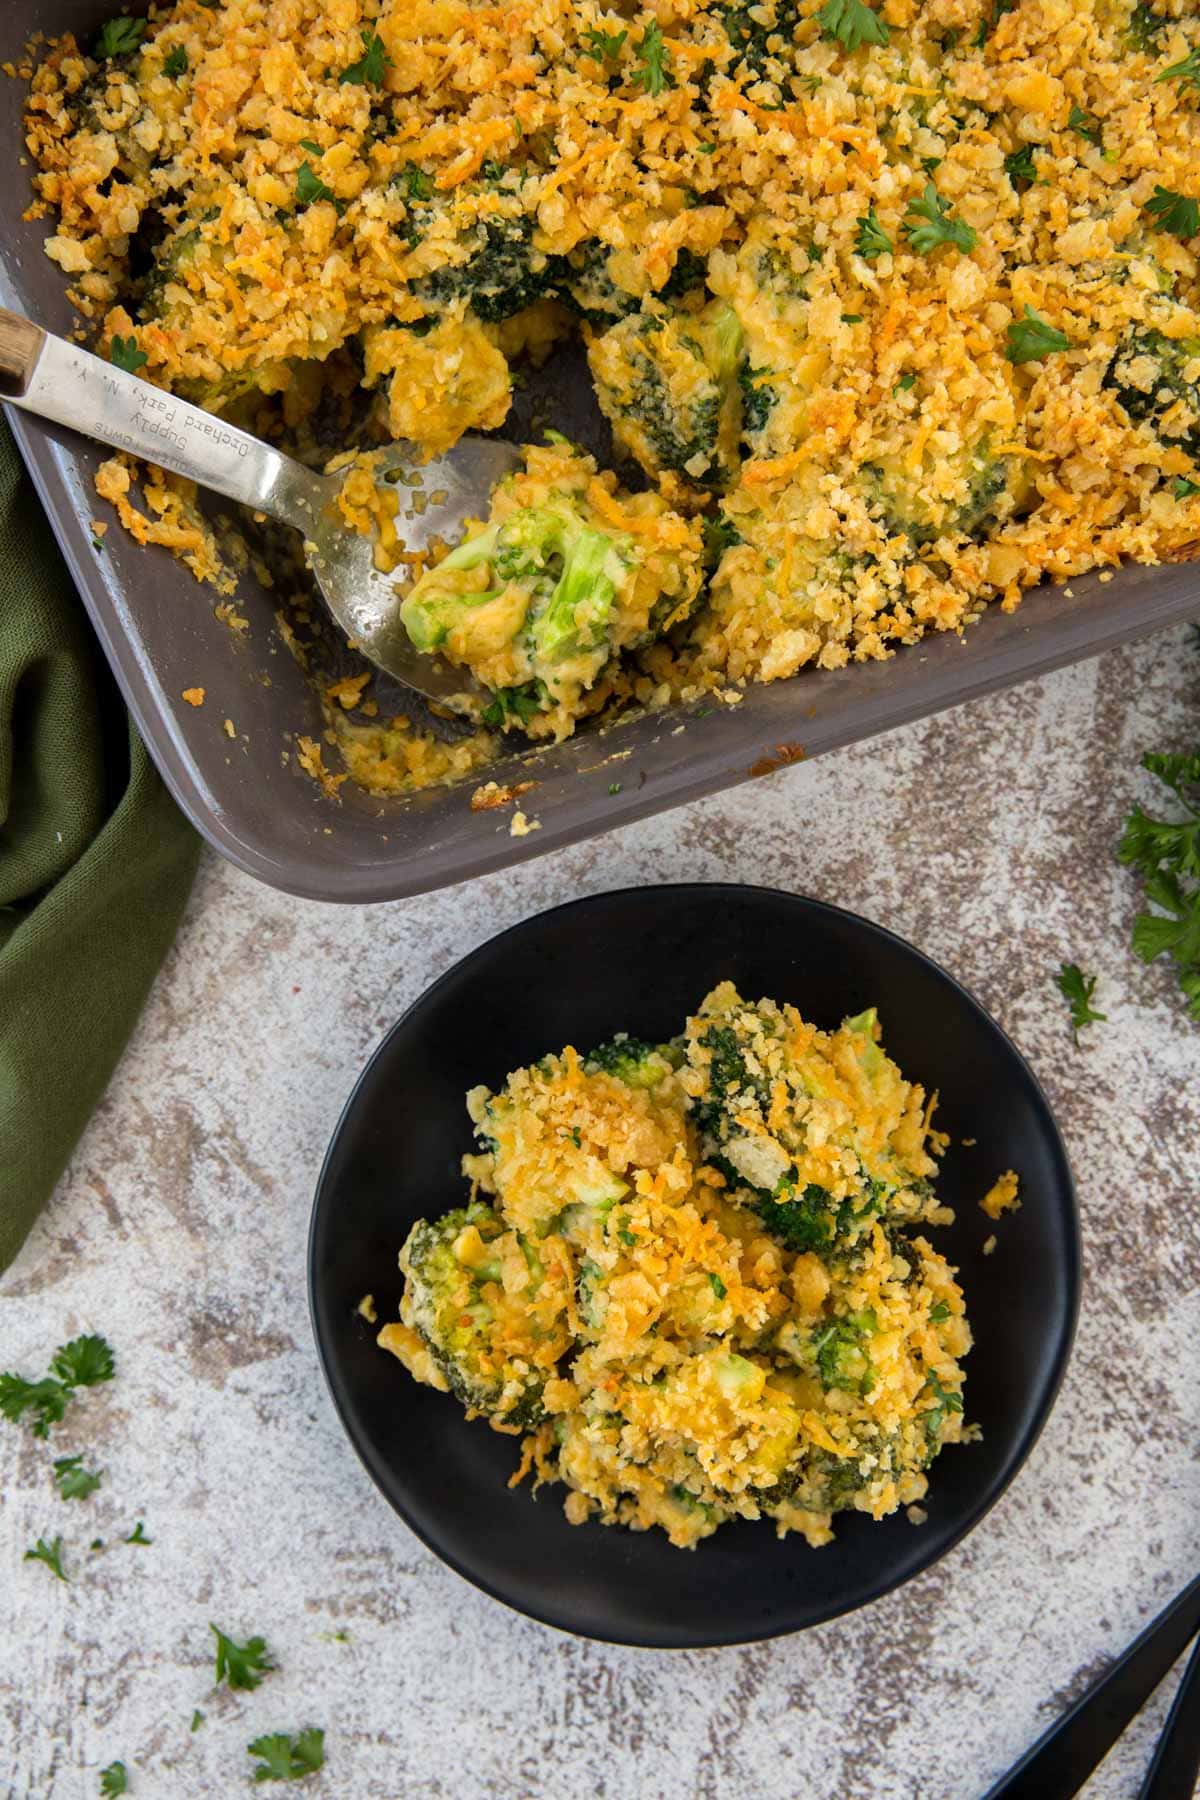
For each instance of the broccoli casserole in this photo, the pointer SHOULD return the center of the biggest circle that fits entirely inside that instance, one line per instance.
(692, 1278)
(892, 308)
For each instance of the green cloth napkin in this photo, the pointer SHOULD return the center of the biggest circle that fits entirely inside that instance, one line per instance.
(95, 863)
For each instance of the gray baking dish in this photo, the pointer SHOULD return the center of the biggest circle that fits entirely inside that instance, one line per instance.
(247, 794)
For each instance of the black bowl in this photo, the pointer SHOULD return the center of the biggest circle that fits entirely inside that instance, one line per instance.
(640, 960)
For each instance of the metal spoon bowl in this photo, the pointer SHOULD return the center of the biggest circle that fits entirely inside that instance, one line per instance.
(57, 380)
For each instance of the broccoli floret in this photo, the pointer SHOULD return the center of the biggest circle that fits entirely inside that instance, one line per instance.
(760, 34)
(667, 381)
(447, 1265)
(727, 1079)
(1155, 381)
(632, 1061)
(990, 488)
(583, 283)
(490, 261)
(688, 274)
(758, 397)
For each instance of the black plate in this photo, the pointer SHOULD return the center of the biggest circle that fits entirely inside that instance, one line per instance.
(640, 960)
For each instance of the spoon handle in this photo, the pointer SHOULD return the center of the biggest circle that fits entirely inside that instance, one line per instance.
(57, 380)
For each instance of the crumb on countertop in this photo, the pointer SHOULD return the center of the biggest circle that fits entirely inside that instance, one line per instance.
(194, 696)
(521, 826)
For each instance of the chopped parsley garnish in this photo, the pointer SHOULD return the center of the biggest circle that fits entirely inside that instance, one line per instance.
(81, 1363)
(416, 183)
(114, 1779)
(50, 1554)
(368, 71)
(1176, 213)
(1183, 487)
(197, 1720)
(310, 187)
(992, 19)
(1019, 165)
(242, 1665)
(120, 37)
(1078, 990)
(652, 72)
(312, 148)
(1166, 854)
(872, 239)
(1030, 338)
(718, 1286)
(939, 1313)
(1186, 71)
(614, 787)
(947, 1402)
(1085, 124)
(852, 23)
(125, 354)
(928, 225)
(906, 382)
(138, 1535)
(177, 61)
(605, 46)
(852, 318)
(74, 1481)
(288, 1759)
(626, 1236)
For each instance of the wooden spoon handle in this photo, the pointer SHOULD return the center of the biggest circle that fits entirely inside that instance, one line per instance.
(20, 346)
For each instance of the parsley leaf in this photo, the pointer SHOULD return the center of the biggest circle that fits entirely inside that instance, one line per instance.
(946, 1402)
(652, 72)
(369, 70)
(1078, 990)
(46, 1399)
(197, 1720)
(416, 183)
(50, 1554)
(872, 239)
(138, 1535)
(992, 19)
(114, 1779)
(1176, 213)
(1086, 124)
(310, 187)
(1166, 853)
(1019, 165)
(1031, 338)
(243, 1665)
(120, 37)
(934, 225)
(939, 1313)
(85, 1360)
(852, 23)
(288, 1759)
(1183, 488)
(718, 1286)
(1186, 72)
(314, 149)
(74, 1481)
(125, 354)
(177, 62)
(906, 382)
(605, 46)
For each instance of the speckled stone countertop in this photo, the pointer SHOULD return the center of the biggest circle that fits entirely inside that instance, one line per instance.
(987, 837)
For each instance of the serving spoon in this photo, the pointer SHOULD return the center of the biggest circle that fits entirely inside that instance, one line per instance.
(57, 380)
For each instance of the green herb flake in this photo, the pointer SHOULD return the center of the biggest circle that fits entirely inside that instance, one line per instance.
(46, 1400)
(1085, 125)
(653, 71)
(242, 1665)
(939, 1313)
(284, 1758)
(125, 354)
(74, 1481)
(1186, 72)
(605, 46)
(1019, 165)
(312, 148)
(197, 1720)
(138, 1535)
(120, 37)
(718, 1286)
(1183, 487)
(1031, 338)
(49, 1553)
(905, 383)
(369, 70)
(1078, 990)
(310, 187)
(1176, 213)
(177, 62)
(872, 240)
(84, 1362)
(852, 24)
(928, 225)
(614, 787)
(626, 1236)
(706, 149)
(114, 1779)
(852, 318)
